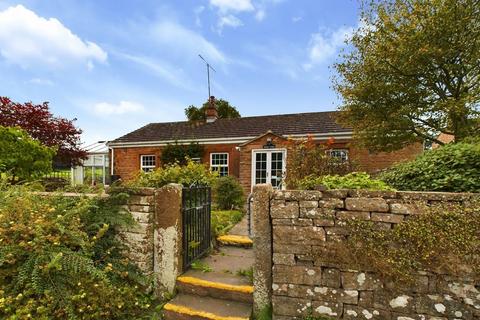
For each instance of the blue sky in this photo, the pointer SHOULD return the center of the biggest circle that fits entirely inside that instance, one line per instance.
(118, 65)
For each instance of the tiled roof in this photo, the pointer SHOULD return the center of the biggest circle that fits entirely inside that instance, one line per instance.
(285, 124)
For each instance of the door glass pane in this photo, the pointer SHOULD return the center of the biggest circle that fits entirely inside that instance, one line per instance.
(260, 168)
(276, 173)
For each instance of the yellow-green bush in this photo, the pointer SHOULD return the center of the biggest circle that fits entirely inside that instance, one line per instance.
(59, 259)
(190, 174)
(354, 180)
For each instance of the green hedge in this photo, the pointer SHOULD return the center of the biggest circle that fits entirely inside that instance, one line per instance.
(453, 168)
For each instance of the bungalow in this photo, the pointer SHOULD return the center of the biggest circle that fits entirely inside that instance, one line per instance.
(253, 149)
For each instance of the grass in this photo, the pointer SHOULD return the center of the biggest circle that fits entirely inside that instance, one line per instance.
(224, 220)
(197, 265)
(248, 273)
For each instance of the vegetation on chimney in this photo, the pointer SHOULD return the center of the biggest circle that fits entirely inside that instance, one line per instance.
(224, 109)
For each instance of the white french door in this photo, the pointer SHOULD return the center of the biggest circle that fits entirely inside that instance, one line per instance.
(268, 166)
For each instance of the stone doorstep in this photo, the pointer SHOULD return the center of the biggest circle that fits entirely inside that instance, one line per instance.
(186, 307)
(235, 240)
(216, 285)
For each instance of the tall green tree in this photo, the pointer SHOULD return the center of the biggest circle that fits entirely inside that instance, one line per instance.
(413, 72)
(21, 156)
(225, 111)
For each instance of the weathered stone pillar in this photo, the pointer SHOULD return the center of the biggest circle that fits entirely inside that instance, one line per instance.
(262, 246)
(167, 255)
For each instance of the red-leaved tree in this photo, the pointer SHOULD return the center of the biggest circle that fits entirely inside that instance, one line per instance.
(42, 125)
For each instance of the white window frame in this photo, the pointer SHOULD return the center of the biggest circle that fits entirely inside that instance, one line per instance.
(148, 168)
(269, 165)
(347, 153)
(218, 166)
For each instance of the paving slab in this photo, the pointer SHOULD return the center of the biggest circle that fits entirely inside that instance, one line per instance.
(185, 306)
(241, 228)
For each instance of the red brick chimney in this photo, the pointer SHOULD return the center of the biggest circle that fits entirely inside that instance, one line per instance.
(211, 114)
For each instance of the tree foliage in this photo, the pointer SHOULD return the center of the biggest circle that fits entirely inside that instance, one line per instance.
(413, 72)
(180, 153)
(22, 157)
(42, 125)
(224, 109)
(453, 167)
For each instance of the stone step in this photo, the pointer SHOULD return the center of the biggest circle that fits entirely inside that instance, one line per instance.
(229, 260)
(216, 285)
(186, 307)
(235, 240)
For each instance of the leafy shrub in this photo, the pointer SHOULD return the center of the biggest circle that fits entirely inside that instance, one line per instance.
(21, 156)
(60, 259)
(354, 180)
(445, 240)
(453, 167)
(180, 153)
(223, 221)
(308, 158)
(228, 193)
(190, 174)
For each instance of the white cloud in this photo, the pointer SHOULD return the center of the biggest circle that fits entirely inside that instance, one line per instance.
(28, 40)
(230, 21)
(260, 15)
(160, 68)
(41, 82)
(123, 107)
(198, 11)
(325, 44)
(176, 37)
(297, 19)
(233, 5)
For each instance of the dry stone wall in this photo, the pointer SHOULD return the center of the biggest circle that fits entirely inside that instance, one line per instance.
(309, 279)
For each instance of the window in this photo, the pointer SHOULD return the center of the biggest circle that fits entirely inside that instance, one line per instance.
(147, 163)
(340, 154)
(219, 163)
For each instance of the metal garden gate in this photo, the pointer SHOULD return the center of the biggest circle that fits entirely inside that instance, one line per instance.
(196, 213)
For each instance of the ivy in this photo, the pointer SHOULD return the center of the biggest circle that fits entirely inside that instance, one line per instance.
(444, 240)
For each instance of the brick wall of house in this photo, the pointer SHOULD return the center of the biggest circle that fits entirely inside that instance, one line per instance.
(127, 160)
(374, 162)
(309, 276)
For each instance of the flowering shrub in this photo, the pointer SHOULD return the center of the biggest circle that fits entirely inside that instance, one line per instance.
(308, 158)
(59, 259)
(190, 174)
